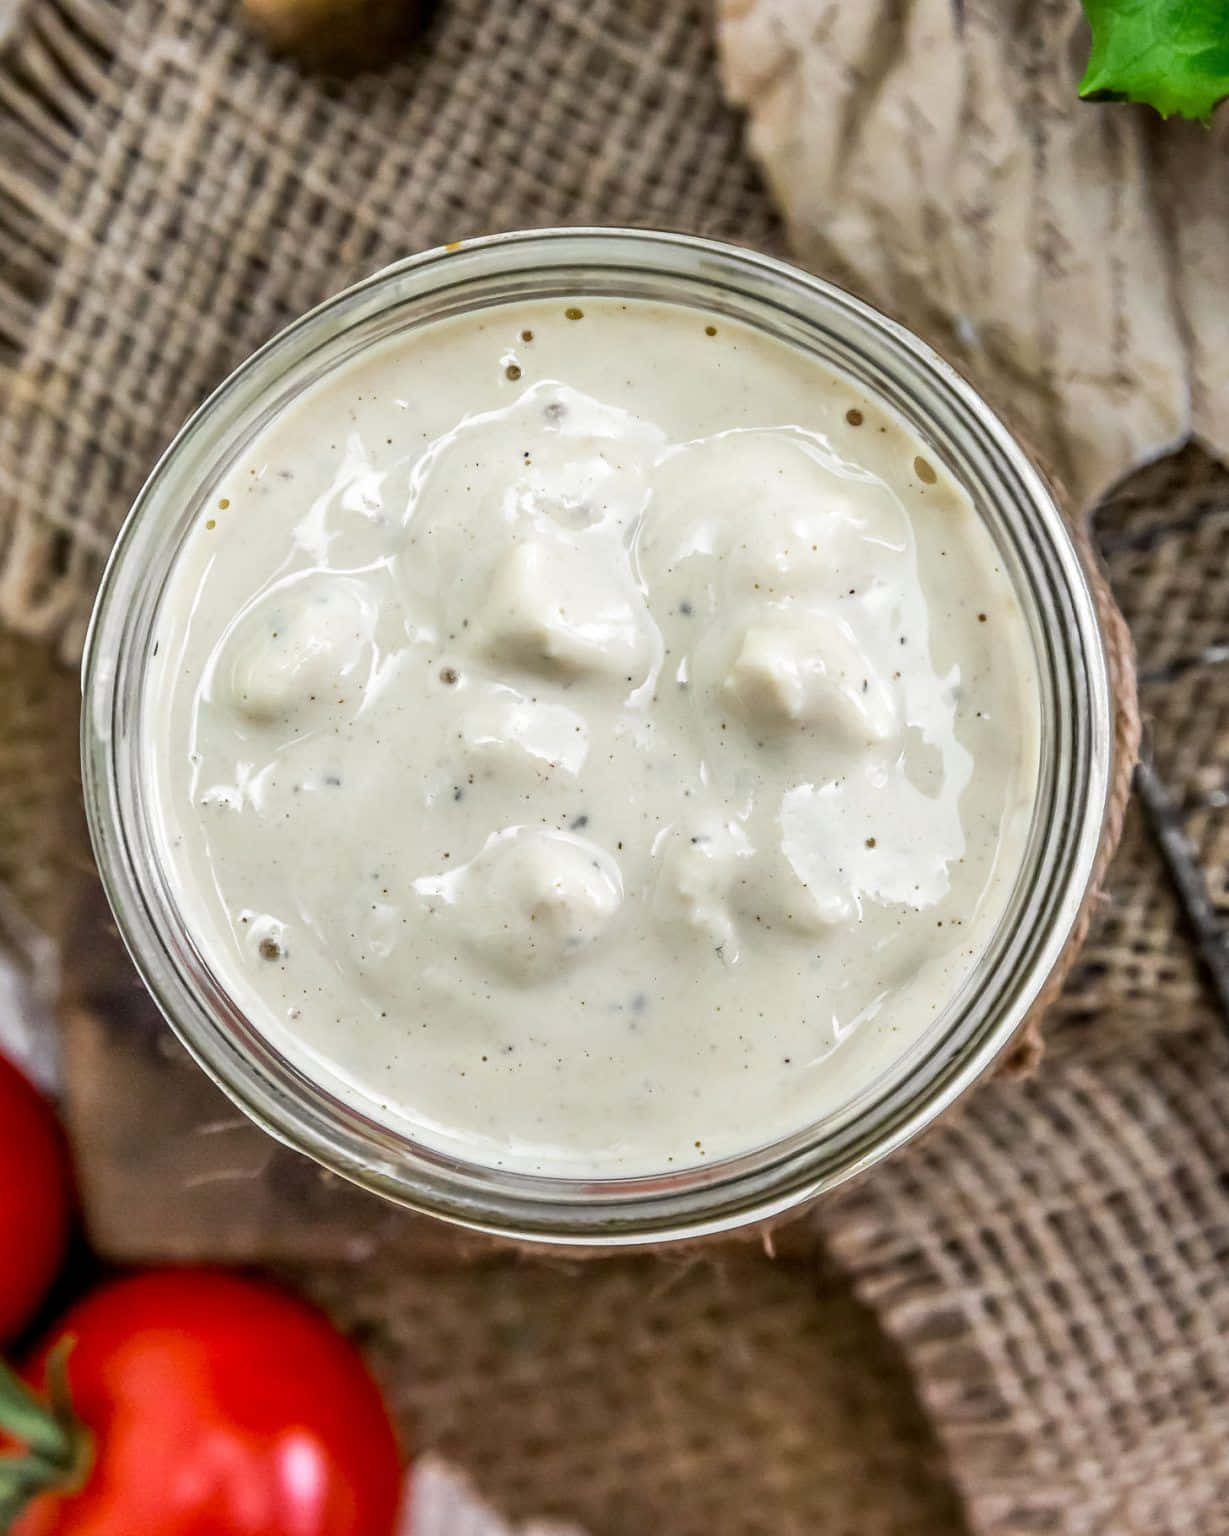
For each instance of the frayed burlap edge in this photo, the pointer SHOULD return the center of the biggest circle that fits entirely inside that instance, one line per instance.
(56, 58)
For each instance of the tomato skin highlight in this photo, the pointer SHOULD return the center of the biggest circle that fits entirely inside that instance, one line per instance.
(218, 1406)
(35, 1200)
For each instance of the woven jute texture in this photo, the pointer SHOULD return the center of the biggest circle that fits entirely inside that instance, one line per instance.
(643, 1395)
(170, 195)
(1054, 1259)
(1049, 1269)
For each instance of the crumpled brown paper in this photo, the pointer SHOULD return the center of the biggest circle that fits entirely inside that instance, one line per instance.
(1071, 258)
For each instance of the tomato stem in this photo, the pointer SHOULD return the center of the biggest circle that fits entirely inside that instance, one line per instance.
(24, 1418)
(55, 1447)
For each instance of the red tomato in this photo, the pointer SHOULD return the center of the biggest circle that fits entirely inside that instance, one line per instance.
(218, 1406)
(35, 1200)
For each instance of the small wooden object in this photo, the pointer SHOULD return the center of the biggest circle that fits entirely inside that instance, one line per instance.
(341, 36)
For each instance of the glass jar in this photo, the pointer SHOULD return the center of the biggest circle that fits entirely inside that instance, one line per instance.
(1074, 770)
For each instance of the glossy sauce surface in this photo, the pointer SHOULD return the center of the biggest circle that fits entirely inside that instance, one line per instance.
(591, 736)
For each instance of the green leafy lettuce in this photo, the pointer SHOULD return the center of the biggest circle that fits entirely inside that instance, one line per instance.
(1173, 54)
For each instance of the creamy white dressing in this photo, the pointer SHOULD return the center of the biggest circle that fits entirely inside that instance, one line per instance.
(593, 738)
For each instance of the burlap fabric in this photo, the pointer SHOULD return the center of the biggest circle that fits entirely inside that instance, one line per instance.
(1052, 1264)
(171, 195)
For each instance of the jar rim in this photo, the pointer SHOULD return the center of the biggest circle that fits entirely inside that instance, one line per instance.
(968, 1035)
